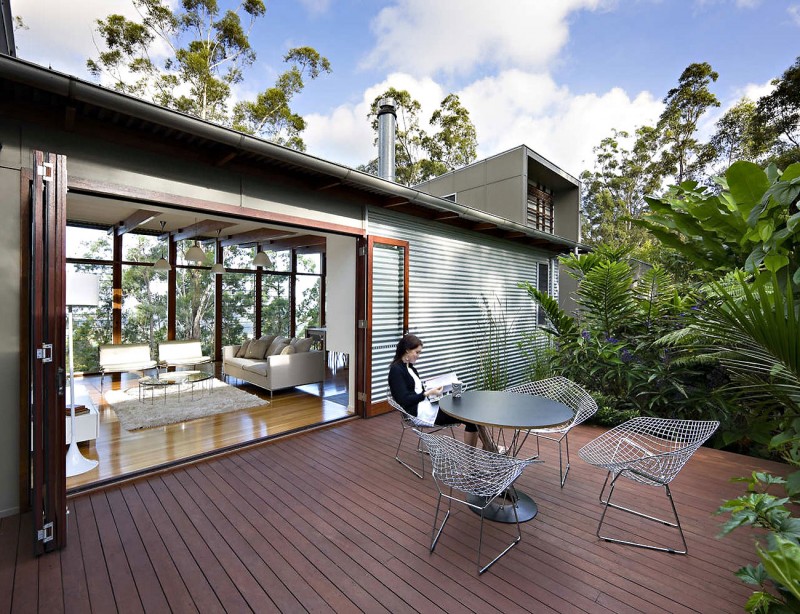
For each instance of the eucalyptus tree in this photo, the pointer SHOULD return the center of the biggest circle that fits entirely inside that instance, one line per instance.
(685, 105)
(420, 155)
(208, 50)
(780, 111)
(739, 134)
(613, 192)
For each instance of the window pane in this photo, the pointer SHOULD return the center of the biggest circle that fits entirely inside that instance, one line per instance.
(281, 261)
(307, 308)
(88, 243)
(194, 306)
(275, 304)
(235, 257)
(144, 306)
(238, 303)
(91, 325)
(142, 248)
(308, 263)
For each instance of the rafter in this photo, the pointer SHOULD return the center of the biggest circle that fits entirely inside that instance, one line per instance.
(254, 236)
(203, 227)
(135, 219)
(446, 215)
(294, 242)
(484, 226)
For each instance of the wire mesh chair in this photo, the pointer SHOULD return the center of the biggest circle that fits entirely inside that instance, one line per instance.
(481, 475)
(408, 421)
(650, 451)
(570, 394)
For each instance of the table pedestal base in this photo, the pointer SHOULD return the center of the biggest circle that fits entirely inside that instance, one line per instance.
(501, 509)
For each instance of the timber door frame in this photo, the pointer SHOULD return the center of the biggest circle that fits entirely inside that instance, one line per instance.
(43, 348)
(365, 325)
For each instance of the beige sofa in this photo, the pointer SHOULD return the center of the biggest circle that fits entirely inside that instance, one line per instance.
(283, 364)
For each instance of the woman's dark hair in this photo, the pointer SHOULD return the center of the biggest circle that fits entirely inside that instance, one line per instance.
(408, 342)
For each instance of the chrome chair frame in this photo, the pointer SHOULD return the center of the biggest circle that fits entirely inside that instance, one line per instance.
(650, 451)
(570, 394)
(480, 474)
(407, 421)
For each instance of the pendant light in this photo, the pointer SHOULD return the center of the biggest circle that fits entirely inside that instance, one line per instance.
(195, 253)
(162, 264)
(218, 269)
(262, 259)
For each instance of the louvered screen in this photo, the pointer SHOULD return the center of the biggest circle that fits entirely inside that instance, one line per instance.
(450, 270)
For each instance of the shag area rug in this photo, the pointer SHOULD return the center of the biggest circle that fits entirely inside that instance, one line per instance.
(158, 411)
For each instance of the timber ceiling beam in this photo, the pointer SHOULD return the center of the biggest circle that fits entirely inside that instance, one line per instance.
(446, 215)
(394, 201)
(223, 160)
(483, 226)
(295, 242)
(203, 227)
(135, 219)
(254, 236)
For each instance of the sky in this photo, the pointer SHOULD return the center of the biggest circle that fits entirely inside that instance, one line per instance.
(555, 75)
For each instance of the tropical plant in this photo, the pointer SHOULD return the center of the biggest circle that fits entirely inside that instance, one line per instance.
(609, 345)
(493, 357)
(752, 223)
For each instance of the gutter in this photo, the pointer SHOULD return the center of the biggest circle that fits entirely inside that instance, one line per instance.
(72, 88)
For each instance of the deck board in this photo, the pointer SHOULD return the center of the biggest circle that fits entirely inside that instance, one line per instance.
(327, 521)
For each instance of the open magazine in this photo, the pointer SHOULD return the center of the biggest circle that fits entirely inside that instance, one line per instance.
(445, 381)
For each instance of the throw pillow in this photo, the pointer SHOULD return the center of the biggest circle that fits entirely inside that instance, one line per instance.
(240, 353)
(277, 348)
(287, 350)
(275, 343)
(268, 339)
(303, 345)
(256, 349)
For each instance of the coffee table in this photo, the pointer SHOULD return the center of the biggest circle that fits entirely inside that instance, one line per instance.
(162, 381)
(500, 410)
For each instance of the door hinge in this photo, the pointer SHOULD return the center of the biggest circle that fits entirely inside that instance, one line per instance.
(45, 353)
(45, 534)
(46, 171)
(362, 323)
(362, 251)
(362, 396)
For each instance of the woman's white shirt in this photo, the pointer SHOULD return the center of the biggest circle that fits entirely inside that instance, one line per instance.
(425, 410)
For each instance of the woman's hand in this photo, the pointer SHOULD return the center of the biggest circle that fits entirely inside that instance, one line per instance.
(434, 392)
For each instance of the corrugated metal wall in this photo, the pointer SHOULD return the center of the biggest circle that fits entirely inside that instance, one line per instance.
(450, 270)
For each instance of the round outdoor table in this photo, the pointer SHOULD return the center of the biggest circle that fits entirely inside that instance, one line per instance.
(507, 410)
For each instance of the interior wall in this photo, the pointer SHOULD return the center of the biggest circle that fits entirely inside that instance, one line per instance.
(340, 307)
(10, 336)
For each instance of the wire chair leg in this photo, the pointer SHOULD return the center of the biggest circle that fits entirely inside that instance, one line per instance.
(507, 548)
(435, 535)
(676, 524)
(560, 469)
(420, 474)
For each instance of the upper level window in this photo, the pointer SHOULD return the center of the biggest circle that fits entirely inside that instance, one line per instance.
(540, 207)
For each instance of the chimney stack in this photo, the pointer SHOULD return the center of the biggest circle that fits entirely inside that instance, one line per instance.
(387, 125)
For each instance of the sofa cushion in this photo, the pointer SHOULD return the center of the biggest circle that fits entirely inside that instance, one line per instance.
(240, 353)
(259, 367)
(303, 344)
(276, 342)
(277, 348)
(241, 362)
(269, 339)
(257, 348)
(285, 350)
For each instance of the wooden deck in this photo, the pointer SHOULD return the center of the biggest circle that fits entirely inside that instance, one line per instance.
(329, 521)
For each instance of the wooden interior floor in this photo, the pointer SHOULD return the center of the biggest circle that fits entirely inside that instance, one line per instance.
(123, 453)
(328, 521)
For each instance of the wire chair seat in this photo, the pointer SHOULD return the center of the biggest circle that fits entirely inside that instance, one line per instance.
(572, 395)
(408, 421)
(649, 451)
(480, 474)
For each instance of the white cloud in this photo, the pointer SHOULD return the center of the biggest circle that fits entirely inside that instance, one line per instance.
(794, 13)
(424, 38)
(316, 7)
(510, 109)
(517, 108)
(60, 33)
